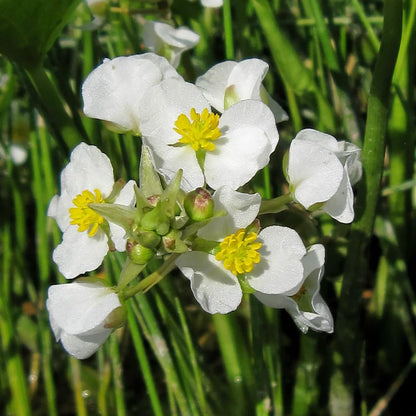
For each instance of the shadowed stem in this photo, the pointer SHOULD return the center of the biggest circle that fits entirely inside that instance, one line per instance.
(348, 341)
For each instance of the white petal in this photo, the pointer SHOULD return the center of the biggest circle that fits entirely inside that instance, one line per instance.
(214, 82)
(314, 259)
(81, 307)
(79, 253)
(164, 103)
(151, 39)
(352, 156)
(341, 205)
(181, 38)
(168, 160)
(216, 289)
(277, 110)
(241, 153)
(126, 197)
(113, 91)
(241, 209)
(317, 137)
(280, 270)
(251, 113)
(274, 301)
(18, 154)
(246, 77)
(88, 169)
(314, 172)
(83, 346)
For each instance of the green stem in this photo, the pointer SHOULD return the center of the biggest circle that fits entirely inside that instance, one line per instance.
(228, 30)
(275, 205)
(348, 341)
(151, 280)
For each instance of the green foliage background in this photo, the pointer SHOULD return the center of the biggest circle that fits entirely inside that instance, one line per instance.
(329, 72)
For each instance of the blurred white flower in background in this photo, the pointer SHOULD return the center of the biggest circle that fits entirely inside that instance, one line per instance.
(168, 41)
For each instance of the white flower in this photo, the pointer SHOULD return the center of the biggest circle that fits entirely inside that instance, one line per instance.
(183, 133)
(307, 307)
(270, 261)
(112, 92)
(212, 3)
(229, 82)
(16, 152)
(322, 170)
(168, 41)
(98, 9)
(79, 315)
(87, 178)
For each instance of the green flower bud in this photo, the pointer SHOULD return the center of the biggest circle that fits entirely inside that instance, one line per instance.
(149, 239)
(138, 253)
(173, 243)
(155, 220)
(115, 318)
(199, 205)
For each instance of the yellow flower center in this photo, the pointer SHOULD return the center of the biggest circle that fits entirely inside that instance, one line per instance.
(239, 252)
(82, 215)
(200, 131)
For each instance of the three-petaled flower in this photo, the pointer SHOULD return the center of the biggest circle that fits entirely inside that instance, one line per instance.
(83, 314)
(321, 170)
(88, 178)
(229, 82)
(168, 41)
(113, 91)
(307, 307)
(269, 261)
(183, 133)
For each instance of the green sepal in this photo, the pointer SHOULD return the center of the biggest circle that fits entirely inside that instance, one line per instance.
(169, 196)
(149, 179)
(116, 318)
(155, 220)
(230, 97)
(206, 246)
(172, 242)
(117, 187)
(285, 163)
(117, 214)
(193, 228)
(142, 203)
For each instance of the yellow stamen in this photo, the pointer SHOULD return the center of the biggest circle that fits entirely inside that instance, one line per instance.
(200, 131)
(82, 215)
(239, 252)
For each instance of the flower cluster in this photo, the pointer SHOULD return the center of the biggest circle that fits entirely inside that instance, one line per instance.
(202, 143)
